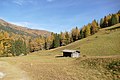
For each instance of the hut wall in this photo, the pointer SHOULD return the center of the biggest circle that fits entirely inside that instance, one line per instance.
(75, 54)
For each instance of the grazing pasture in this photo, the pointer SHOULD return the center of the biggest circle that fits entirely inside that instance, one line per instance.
(99, 60)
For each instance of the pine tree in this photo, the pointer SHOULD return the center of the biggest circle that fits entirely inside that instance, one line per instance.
(57, 40)
(62, 39)
(53, 44)
(101, 22)
(75, 33)
(119, 15)
(81, 34)
(67, 38)
(109, 19)
(18, 47)
(87, 30)
(49, 41)
(114, 19)
(4, 43)
(105, 23)
(53, 40)
(46, 45)
(1, 48)
(94, 27)
(25, 49)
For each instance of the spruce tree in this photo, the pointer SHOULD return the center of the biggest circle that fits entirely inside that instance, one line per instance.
(25, 50)
(114, 19)
(75, 33)
(81, 34)
(94, 27)
(67, 37)
(105, 22)
(57, 40)
(18, 47)
(87, 30)
(101, 22)
(62, 39)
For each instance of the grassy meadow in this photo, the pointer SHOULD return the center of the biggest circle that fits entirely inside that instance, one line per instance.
(99, 60)
(104, 43)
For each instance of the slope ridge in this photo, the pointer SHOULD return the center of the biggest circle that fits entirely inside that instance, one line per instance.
(20, 29)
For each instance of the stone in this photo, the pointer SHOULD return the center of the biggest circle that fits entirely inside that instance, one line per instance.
(2, 74)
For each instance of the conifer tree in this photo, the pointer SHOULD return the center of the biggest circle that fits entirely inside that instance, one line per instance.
(18, 47)
(94, 27)
(25, 49)
(57, 40)
(81, 34)
(109, 19)
(118, 14)
(87, 30)
(114, 19)
(49, 41)
(75, 33)
(105, 23)
(1, 48)
(62, 39)
(46, 45)
(101, 22)
(67, 38)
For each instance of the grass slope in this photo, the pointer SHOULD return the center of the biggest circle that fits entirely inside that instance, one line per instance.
(97, 65)
(105, 42)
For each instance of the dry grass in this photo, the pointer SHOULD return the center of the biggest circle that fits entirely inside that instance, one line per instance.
(52, 68)
(97, 52)
(104, 43)
(42, 67)
(12, 72)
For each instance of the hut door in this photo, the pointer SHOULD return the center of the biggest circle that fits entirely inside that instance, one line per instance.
(67, 54)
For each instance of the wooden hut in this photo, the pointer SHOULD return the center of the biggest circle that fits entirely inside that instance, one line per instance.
(71, 53)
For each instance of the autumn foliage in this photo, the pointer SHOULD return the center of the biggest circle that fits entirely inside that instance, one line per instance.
(14, 43)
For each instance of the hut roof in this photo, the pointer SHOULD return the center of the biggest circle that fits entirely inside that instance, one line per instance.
(70, 51)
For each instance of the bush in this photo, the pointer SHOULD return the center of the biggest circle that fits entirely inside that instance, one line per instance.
(114, 68)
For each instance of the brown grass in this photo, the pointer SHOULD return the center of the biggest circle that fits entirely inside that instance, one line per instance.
(52, 68)
(96, 54)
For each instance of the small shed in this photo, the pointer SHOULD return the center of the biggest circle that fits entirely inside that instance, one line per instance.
(71, 53)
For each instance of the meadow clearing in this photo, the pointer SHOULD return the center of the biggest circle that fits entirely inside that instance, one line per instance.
(99, 60)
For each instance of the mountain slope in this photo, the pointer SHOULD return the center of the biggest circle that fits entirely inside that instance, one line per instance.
(6, 26)
(92, 67)
(105, 42)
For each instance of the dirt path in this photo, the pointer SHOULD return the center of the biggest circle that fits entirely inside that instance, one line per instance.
(12, 72)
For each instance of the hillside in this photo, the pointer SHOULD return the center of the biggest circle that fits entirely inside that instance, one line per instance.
(105, 42)
(100, 60)
(35, 40)
(6, 26)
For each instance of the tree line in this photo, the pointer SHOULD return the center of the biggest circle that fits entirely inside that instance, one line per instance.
(55, 40)
(14, 44)
(110, 20)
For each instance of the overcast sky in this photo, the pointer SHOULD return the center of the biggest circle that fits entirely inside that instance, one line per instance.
(56, 15)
